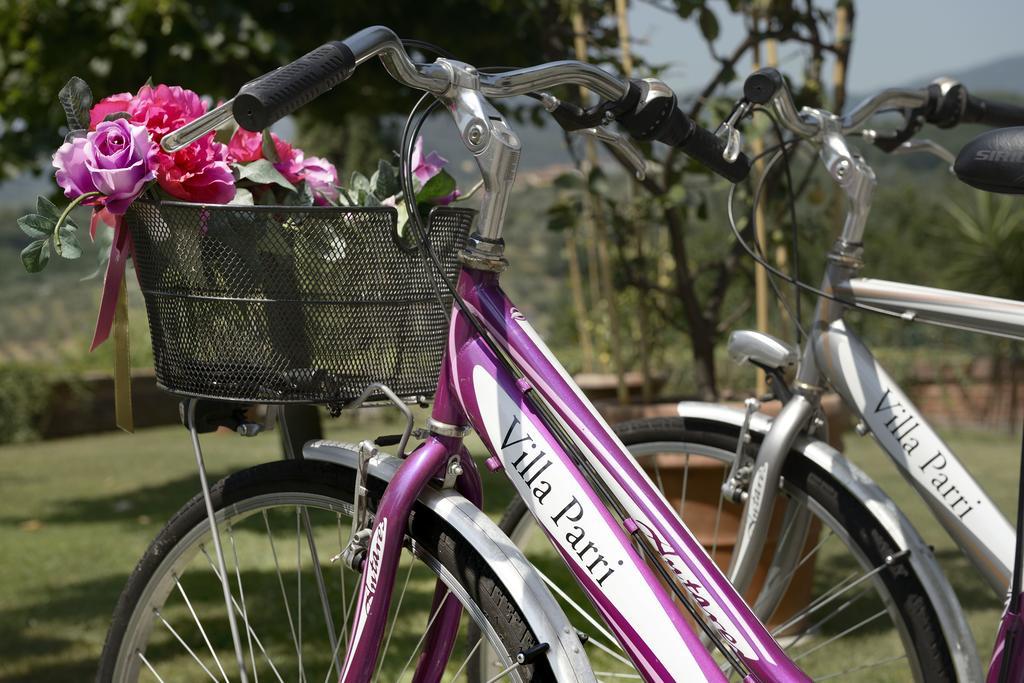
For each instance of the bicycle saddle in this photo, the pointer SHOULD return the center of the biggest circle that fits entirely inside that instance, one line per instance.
(994, 161)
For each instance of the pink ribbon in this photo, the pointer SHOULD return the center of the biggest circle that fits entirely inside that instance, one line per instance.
(121, 248)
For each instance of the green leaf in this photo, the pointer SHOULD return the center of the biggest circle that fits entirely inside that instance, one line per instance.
(269, 148)
(441, 185)
(262, 172)
(36, 226)
(36, 255)
(243, 197)
(76, 99)
(708, 24)
(68, 246)
(562, 217)
(569, 181)
(360, 184)
(224, 134)
(44, 207)
(302, 196)
(384, 181)
(115, 115)
(598, 182)
(264, 196)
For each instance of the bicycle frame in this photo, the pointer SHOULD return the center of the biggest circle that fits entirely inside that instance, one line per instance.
(525, 438)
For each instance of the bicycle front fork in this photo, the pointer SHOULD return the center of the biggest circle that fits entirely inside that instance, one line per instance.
(380, 565)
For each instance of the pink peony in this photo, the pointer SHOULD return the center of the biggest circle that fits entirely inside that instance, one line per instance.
(117, 160)
(198, 173)
(290, 160)
(108, 106)
(425, 168)
(245, 146)
(163, 108)
(322, 179)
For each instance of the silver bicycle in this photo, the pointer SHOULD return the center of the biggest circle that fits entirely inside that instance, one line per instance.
(805, 520)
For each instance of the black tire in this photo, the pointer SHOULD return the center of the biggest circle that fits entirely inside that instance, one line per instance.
(430, 533)
(933, 656)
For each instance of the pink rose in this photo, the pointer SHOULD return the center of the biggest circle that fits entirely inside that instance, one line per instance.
(117, 160)
(245, 146)
(198, 173)
(108, 106)
(425, 168)
(322, 179)
(165, 108)
(290, 164)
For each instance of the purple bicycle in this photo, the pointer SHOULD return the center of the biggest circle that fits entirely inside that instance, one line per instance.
(345, 562)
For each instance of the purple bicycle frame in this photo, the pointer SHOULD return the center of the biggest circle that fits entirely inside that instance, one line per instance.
(475, 388)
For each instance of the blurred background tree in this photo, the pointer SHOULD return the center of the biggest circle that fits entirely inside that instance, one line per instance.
(659, 279)
(213, 48)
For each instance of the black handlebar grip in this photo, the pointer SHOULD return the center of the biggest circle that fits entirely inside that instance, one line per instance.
(761, 86)
(275, 95)
(989, 113)
(707, 148)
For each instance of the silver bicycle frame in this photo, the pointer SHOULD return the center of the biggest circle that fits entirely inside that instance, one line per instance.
(836, 356)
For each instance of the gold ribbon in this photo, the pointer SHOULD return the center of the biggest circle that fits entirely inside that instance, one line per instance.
(123, 417)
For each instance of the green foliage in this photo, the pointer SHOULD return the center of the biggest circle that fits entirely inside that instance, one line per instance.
(262, 172)
(989, 232)
(24, 393)
(214, 48)
(47, 227)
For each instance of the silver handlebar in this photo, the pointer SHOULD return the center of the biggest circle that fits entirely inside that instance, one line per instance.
(806, 122)
(437, 78)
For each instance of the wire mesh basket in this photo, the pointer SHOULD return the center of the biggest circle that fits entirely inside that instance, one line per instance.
(280, 304)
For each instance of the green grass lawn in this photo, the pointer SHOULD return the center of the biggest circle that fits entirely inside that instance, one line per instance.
(75, 516)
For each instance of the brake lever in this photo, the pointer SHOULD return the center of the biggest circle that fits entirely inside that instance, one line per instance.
(620, 142)
(925, 146)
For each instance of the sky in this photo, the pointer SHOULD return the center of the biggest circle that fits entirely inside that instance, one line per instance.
(894, 41)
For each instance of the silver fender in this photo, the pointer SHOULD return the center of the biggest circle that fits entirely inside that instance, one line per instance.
(549, 623)
(947, 607)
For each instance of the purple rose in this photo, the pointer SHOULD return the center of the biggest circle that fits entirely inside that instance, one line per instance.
(117, 160)
(322, 179)
(425, 168)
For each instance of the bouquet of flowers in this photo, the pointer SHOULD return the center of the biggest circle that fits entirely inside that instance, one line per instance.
(112, 156)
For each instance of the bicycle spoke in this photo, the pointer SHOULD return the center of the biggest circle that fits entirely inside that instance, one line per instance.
(686, 481)
(321, 585)
(430, 623)
(813, 628)
(610, 674)
(280, 579)
(718, 515)
(839, 635)
(149, 666)
(593, 622)
(238, 609)
(398, 609)
(341, 577)
(465, 662)
(298, 590)
(199, 624)
(185, 645)
(245, 610)
(863, 667)
(822, 600)
(608, 651)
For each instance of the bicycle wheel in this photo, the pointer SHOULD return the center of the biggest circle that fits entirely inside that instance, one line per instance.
(855, 610)
(280, 525)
